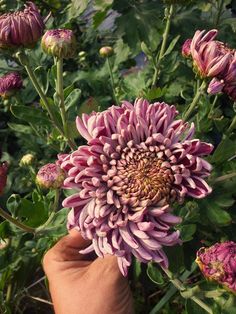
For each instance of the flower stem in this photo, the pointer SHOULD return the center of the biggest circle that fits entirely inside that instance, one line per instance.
(24, 61)
(225, 177)
(17, 223)
(163, 44)
(179, 285)
(232, 125)
(60, 94)
(213, 106)
(195, 101)
(112, 80)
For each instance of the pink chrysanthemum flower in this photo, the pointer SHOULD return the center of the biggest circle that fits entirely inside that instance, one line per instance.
(186, 52)
(137, 161)
(210, 57)
(21, 28)
(218, 263)
(10, 83)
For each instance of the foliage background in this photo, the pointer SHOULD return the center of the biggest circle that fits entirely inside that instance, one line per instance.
(25, 128)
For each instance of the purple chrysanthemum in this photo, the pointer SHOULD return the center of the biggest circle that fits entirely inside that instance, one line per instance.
(137, 161)
(21, 28)
(218, 263)
(10, 83)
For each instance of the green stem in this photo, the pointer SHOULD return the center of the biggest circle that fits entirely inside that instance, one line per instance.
(8, 293)
(17, 223)
(60, 94)
(213, 106)
(220, 7)
(225, 177)
(195, 101)
(163, 44)
(179, 285)
(112, 80)
(232, 125)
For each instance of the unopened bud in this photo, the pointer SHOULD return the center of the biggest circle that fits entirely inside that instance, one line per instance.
(10, 84)
(27, 160)
(50, 176)
(59, 43)
(106, 51)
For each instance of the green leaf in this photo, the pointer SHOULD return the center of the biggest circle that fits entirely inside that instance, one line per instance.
(217, 215)
(121, 52)
(72, 99)
(187, 232)
(193, 308)
(35, 214)
(155, 274)
(225, 150)
(88, 106)
(20, 128)
(30, 115)
(171, 46)
(155, 93)
(68, 90)
(13, 204)
(98, 18)
(102, 4)
(4, 229)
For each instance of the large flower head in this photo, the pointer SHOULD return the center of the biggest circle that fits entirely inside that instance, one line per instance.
(10, 83)
(210, 57)
(138, 159)
(218, 263)
(21, 28)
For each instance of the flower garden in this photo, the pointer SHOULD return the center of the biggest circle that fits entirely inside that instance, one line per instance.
(118, 119)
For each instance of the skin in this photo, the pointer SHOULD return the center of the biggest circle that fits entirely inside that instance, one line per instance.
(82, 286)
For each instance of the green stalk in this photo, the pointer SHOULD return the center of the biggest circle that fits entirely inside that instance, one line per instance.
(213, 106)
(195, 101)
(17, 223)
(163, 44)
(232, 125)
(112, 80)
(24, 61)
(60, 94)
(179, 285)
(225, 177)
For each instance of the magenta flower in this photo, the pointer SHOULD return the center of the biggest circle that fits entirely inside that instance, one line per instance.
(210, 57)
(50, 176)
(215, 86)
(218, 263)
(3, 176)
(21, 28)
(10, 84)
(59, 43)
(137, 161)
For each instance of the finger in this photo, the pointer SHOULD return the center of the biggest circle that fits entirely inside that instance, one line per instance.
(67, 248)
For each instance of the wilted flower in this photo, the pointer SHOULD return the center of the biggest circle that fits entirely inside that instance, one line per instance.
(3, 176)
(59, 43)
(210, 57)
(50, 176)
(10, 84)
(27, 160)
(106, 51)
(218, 263)
(21, 28)
(186, 48)
(138, 159)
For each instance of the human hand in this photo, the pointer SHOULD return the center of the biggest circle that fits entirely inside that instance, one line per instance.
(81, 286)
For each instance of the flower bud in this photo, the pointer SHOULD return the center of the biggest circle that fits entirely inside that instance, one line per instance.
(27, 160)
(215, 86)
(10, 84)
(186, 48)
(21, 28)
(218, 263)
(59, 43)
(82, 54)
(106, 51)
(50, 176)
(3, 176)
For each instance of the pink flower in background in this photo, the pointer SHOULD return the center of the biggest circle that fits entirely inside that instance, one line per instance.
(218, 263)
(10, 84)
(21, 28)
(210, 57)
(138, 159)
(3, 176)
(215, 86)
(50, 176)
